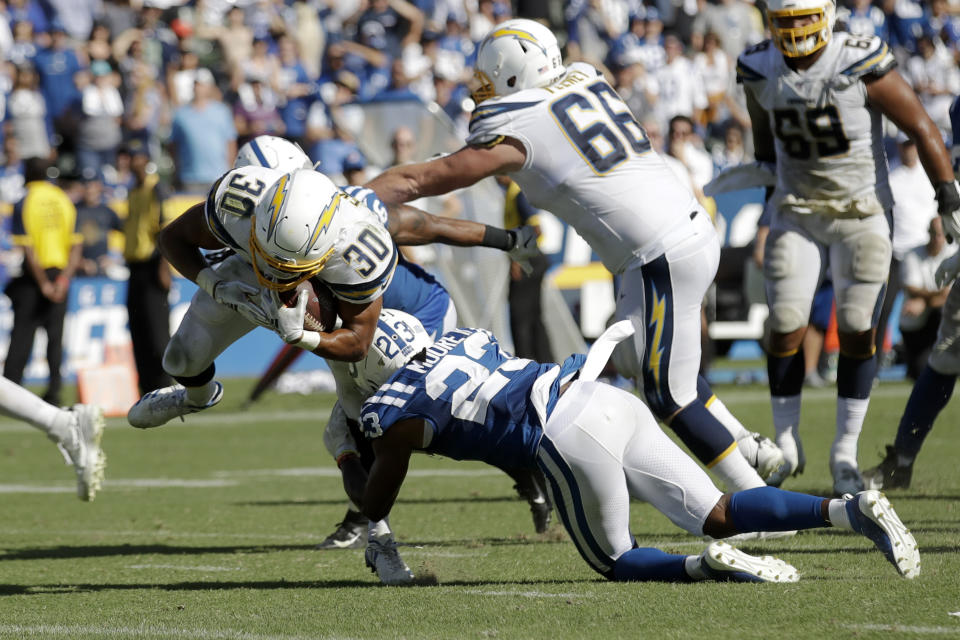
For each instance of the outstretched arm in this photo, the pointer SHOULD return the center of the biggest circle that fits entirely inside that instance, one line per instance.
(467, 166)
(897, 100)
(181, 240)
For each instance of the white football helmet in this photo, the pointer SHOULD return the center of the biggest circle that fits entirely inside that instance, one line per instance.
(796, 42)
(517, 54)
(272, 152)
(398, 338)
(295, 229)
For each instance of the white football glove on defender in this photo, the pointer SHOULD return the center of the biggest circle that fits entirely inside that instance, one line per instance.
(239, 296)
(947, 271)
(287, 322)
(524, 247)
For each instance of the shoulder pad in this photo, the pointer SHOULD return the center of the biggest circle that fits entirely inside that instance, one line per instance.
(234, 197)
(861, 57)
(753, 62)
(369, 199)
(492, 120)
(365, 259)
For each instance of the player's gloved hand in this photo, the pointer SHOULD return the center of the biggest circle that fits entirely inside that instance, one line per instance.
(287, 322)
(239, 296)
(523, 247)
(947, 271)
(948, 205)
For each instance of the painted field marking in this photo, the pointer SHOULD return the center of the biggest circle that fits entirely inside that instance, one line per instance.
(526, 594)
(904, 628)
(146, 631)
(204, 568)
(163, 534)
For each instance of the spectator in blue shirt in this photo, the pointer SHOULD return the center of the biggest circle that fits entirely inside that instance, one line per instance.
(28, 11)
(863, 18)
(296, 90)
(204, 137)
(58, 66)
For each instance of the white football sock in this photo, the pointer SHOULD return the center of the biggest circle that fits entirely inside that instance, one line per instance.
(851, 413)
(200, 396)
(786, 422)
(379, 530)
(727, 419)
(691, 564)
(837, 512)
(736, 473)
(17, 402)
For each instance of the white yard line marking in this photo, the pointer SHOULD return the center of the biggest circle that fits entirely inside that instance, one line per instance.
(204, 568)
(526, 594)
(146, 631)
(133, 483)
(163, 534)
(442, 554)
(904, 628)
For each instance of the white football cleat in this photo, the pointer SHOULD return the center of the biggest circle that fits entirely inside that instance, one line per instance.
(871, 515)
(384, 560)
(83, 450)
(846, 478)
(719, 561)
(761, 453)
(163, 405)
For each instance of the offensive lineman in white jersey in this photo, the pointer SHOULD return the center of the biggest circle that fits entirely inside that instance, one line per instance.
(565, 136)
(816, 99)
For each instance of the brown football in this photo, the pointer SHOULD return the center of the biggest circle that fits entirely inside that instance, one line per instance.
(321, 305)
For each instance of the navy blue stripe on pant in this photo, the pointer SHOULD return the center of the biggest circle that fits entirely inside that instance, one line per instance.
(565, 492)
(658, 321)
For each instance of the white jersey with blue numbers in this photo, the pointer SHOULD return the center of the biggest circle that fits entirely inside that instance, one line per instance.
(479, 403)
(364, 258)
(589, 162)
(828, 138)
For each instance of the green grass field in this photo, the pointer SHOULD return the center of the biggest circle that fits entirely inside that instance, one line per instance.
(205, 530)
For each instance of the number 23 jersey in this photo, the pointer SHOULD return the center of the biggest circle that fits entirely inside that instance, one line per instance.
(827, 138)
(365, 256)
(479, 402)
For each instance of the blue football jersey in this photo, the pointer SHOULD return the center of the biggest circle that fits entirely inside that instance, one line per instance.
(412, 289)
(955, 133)
(482, 403)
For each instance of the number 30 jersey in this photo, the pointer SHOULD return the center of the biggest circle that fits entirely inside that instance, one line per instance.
(364, 258)
(828, 139)
(590, 163)
(478, 402)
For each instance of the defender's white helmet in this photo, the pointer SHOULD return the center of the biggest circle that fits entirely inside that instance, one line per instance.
(294, 229)
(517, 54)
(796, 42)
(272, 152)
(398, 338)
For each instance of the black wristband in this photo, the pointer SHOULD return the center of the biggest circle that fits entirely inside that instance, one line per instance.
(498, 238)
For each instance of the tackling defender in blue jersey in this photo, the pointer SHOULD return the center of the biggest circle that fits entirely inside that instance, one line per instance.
(598, 446)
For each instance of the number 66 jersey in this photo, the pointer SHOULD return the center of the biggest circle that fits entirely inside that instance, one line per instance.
(363, 256)
(828, 139)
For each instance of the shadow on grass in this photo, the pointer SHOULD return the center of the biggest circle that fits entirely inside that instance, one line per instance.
(402, 501)
(267, 585)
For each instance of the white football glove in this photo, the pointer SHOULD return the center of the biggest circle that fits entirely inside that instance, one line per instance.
(287, 322)
(239, 296)
(947, 271)
(524, 247)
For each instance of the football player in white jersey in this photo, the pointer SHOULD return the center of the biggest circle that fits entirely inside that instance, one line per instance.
(565, 136)
(76, 432)
(816, 101)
